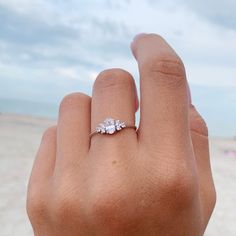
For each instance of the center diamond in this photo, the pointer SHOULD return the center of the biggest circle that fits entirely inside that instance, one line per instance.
(110, 126)
(110, 129)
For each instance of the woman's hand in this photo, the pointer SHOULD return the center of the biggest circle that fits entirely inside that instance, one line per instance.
(156, 181)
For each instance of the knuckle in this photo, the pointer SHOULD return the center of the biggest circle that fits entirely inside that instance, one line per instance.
(113, 78)
(36, 205)
(197, 123)
(168, 70)
(109, 201)
(200, 127)
(64, 206)
(66, 200)
(73, 101)
(111, 208)
(213, 198)
(210, 194)
(105, 205)
(180, 185)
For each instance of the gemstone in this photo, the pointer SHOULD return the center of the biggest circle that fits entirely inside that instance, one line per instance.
(103, 130)
(110, 126)
(123, 125)
(109, 121)
(110, 129)
(118, 127)
(117, 122)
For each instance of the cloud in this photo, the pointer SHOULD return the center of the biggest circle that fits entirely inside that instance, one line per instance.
(211, 76)
(75, 73)
(95, 35)
(50, 48)
(72, 39)
(70, 73)
(217, 11)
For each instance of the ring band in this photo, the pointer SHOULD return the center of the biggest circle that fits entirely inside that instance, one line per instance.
(111, 126)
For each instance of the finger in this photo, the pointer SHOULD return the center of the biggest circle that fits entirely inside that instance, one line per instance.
(114, 96)
(164, 105)
(41, 176)
(45, 159)
(199, 135)
(73, 130)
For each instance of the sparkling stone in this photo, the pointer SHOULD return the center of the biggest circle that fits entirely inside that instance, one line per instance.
(123, 125)
(110, 126)
(118, 127)
(102, 128)
(109, 121)
(110, 129)
(117, 122)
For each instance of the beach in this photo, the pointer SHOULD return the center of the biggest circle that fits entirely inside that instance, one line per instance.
(19, 139)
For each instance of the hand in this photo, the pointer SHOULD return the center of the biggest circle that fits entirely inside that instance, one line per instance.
(156, 181)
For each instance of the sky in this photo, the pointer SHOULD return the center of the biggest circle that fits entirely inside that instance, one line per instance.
(49, 48)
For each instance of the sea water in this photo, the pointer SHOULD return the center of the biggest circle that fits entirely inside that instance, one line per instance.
(28, 108)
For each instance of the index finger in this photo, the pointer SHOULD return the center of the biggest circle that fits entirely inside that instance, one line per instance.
(164, 99)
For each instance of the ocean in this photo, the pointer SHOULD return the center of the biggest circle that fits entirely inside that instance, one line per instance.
(31, 108)
(219, 125)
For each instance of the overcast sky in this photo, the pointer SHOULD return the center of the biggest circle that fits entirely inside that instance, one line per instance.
(51, 47)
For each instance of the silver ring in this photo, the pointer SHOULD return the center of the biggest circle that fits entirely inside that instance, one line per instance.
(111, 126)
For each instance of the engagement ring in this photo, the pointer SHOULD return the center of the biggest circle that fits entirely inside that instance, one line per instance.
(111, 126)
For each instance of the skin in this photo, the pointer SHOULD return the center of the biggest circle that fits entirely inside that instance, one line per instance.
(156, 181)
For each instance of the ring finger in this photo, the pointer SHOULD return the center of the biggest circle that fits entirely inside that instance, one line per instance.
(114, 96)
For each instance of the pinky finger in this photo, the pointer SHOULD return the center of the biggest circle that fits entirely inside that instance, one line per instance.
(199, 135)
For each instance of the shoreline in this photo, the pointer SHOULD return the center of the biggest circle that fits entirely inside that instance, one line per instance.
(27, 116)
(46, 119)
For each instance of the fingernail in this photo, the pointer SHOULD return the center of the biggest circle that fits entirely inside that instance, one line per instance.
(135, 38)
(138, 36)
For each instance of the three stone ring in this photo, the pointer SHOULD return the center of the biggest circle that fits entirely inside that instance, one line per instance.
(111, 126)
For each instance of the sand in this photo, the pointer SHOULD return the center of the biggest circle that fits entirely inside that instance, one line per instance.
(19, 139)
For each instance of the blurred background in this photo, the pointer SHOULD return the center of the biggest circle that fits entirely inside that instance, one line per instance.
(49, 48)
